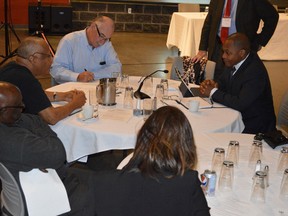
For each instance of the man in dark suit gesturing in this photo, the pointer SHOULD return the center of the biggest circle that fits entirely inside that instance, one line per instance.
(244, 85)
(226, 17)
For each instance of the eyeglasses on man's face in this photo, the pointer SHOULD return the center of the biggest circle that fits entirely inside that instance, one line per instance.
(13, 107)
(45, 55)
(101, 35)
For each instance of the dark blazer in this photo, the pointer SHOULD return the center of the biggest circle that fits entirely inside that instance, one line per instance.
(248, 16)
(249, 92)
(131, 194)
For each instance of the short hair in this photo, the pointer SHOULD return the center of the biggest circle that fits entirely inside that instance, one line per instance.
(103, 19)
(240, 40)
(165, 145)
(29, 46)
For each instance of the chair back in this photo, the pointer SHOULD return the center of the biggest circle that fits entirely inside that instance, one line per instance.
(209, 70)
(186, 7)
(178, 63)
(282, 122)
(11, 197)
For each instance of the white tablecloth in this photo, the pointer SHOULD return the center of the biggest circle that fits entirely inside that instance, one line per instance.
(116, 127)
(185, 33)
(238, 202)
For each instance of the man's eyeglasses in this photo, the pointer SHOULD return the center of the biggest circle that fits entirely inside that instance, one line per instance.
(12, 107)
(101, 35)
(43, 54)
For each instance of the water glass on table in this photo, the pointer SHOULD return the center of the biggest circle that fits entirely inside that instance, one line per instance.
(217, 160)
(93, 99)
(226, 177)
(128, 98)
(164, 82)
(159, 93)
(284, 185)
(147, 108)
(258, 192)
(255, 153)
(124, 81)
(283, 160)
(233, 152)
(117, 75)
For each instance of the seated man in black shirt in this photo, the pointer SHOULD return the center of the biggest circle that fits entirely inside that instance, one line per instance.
(27, 142)
(33, 59)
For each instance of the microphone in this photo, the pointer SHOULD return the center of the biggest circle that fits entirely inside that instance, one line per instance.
(140, 95)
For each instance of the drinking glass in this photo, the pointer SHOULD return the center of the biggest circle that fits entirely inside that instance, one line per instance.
(164, 82)
(93, 99)
(117, 75)
(286, 11)
(284, 185)
(124, 81)
(255, 153)
(259, 187)
(226, 177)
(217, 160)
(233, 152)
(138, 109)
(159, 91)
(283, 160)
(147, 108)
(128, 98)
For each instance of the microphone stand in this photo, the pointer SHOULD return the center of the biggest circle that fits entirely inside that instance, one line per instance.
(141, 95)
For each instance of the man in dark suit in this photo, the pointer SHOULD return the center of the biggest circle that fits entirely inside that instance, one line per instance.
(244, 16)
(244, 85)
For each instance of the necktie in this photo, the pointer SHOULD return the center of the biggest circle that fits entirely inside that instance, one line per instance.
(225, 30)
(233, 69)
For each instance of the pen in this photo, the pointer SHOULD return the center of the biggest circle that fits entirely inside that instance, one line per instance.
(177, 101)
(164, 103)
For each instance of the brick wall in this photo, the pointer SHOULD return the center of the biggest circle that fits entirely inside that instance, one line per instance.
(145, 17)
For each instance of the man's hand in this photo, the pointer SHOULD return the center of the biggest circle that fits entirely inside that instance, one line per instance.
(200, 55)
(68, 96)
(78, 98)
(206, 87)
(85, 76)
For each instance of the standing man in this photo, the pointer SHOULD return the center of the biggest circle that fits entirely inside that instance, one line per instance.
(244, 86)
(86, 55)
(33, 59)
(226, 17)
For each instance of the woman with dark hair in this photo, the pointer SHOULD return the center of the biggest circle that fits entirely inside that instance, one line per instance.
(159, 179)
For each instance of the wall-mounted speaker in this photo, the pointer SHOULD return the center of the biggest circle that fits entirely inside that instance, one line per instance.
(39, 18)
(61, 19)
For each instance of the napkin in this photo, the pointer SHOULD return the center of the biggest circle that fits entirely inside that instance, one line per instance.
(44, 192)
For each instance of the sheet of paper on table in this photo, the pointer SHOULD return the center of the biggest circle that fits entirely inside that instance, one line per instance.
(203, 103)
(62, 103)
(116, 114)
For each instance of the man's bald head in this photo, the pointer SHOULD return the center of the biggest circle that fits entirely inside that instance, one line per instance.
(240, 41)
(11, 104)
(30, 45)
(7, 91)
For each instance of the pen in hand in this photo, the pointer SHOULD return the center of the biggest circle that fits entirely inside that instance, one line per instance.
(92, 74)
